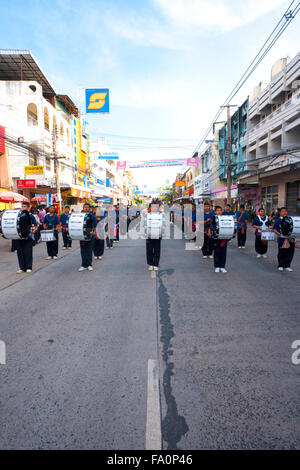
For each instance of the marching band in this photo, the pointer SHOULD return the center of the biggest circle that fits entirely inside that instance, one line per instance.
(90, 228)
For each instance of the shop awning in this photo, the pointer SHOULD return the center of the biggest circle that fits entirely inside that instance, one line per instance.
(10, 196)
(77, 192)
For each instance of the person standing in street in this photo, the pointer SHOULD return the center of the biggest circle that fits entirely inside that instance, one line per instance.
(63, 223)
(207, 248)
(51, 222)
(220, 248)
(261, 222)
(241, 218)
(86, 246)
(227, 210)
(99, 239)
(24, 247)
(154, 224)
(286, 246)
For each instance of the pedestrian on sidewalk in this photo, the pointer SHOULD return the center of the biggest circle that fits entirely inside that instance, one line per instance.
(154, 225)
(51, 222)
(261, 222)
(63, 224)
(220, 248)
(241, 218)
(286, 245)
(86, 246)
(24, 247)
(207, 248)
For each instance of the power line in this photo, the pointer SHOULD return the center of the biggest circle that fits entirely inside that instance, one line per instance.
(288, 16)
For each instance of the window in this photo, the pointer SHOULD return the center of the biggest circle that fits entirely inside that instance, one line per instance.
(68, 136)
(46, 119)
(269, 197)
(61, 131)
(32, 115)
(54, 125)
(33, 156)
(48, 163)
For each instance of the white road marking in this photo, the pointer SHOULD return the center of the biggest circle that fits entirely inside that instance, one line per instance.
(153, 425)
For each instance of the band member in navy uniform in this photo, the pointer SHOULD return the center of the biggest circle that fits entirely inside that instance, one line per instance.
(286, 246)
(99, 238)
(207, 248)
(51, 222)
(220, 248)
(242, 217)
(227, 210)
(63, 222)
(86, 246)
(261, 222)
(24, 247)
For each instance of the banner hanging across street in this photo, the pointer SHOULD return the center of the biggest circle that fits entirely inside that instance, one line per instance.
(157, 163)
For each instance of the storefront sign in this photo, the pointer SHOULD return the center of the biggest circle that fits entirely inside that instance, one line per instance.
(179, 183)
(26, 184)
(34, 170)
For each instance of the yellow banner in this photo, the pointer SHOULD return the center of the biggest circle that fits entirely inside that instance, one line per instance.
(34, 170)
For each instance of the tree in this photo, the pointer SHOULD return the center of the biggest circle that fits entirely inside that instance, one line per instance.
(167, 194)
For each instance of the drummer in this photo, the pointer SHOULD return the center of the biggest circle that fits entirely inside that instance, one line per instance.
(51, 222)
(286, 246)
(261, 222)
(227, 210)
(86, 246)
(220, 248)
(207, 247)
(24, 247)
(63, 222)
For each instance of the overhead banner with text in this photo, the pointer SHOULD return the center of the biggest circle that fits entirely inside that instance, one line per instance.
(123, 165)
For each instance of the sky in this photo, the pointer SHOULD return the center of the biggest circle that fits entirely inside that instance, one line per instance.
(169, 64)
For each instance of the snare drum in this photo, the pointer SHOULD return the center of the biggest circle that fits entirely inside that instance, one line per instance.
(267, 235)
(80, 226)
(224, 226)
(47, 236)
(16, 224)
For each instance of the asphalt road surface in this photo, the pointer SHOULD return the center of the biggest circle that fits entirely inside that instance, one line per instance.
(81, 351)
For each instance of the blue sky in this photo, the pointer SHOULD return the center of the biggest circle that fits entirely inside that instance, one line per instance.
(169, 64)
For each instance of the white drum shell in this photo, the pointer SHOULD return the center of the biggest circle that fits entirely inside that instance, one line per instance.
(154, 226)
(224, 226)
(10, 224)
(296, 227)
(77, 226)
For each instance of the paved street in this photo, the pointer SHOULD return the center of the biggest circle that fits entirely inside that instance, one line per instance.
(78, 346)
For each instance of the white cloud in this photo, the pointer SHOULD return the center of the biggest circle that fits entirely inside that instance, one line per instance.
(220, 15)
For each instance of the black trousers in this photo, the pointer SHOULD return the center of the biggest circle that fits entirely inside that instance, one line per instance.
(153, 251)
(24, 253)
(67, 240)
(86, 250)
(52, 247)
(241, 237)
(208, 246)
(109, 242)
(220, 253)
(285, 256)
(98, 247)
(261, 247)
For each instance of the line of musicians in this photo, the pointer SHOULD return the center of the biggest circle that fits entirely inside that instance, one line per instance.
(88, 248)
(216, 248)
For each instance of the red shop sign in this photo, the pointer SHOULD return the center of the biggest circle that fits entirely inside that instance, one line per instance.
(26, 184)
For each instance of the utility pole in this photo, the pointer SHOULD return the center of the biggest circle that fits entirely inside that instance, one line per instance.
(228, 152)
(56, 165)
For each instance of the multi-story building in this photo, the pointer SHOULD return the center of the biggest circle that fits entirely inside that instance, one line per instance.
(273, 137)
(38, 126)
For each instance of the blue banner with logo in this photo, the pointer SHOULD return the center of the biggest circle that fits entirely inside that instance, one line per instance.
(97, 100)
